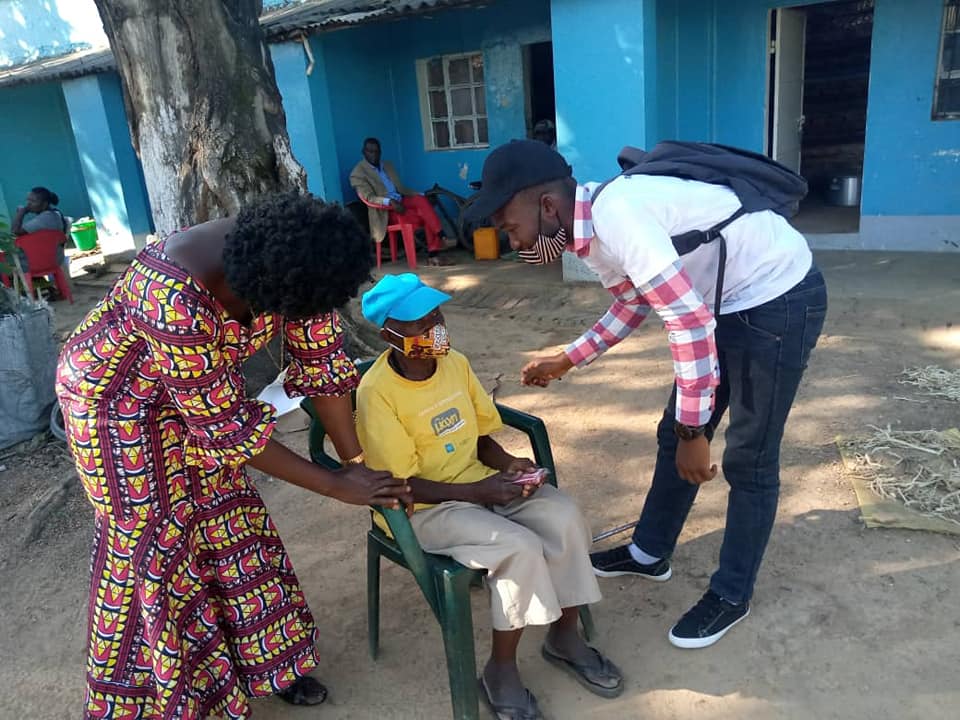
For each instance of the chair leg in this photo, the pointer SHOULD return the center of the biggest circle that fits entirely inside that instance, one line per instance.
(379, 252)
(457, 628)
(409, 245)
(28, 278)
(373, 596)
(586, 619)
(63, 285)
(393, 246)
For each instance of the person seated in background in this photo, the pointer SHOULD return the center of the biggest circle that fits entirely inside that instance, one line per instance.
(377, 183)
(42, 205)
(423, 416)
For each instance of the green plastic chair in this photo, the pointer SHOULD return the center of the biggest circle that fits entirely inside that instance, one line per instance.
(444, 582)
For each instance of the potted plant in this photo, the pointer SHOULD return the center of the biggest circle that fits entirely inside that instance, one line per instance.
(28, 352)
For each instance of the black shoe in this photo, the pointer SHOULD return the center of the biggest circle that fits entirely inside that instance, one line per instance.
(707, 621)
(618, 561)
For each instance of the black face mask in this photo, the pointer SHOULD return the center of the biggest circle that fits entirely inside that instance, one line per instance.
(547, 248)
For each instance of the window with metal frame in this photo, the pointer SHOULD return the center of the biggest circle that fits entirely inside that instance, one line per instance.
(946, 95)
(453, 102)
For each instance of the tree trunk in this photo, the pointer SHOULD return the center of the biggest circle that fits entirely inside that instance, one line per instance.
(205, 113)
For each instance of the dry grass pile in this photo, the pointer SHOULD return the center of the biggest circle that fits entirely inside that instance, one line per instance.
(919, 468)
(933, 381)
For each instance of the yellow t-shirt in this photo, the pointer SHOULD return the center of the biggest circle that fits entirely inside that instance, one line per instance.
(427, 429)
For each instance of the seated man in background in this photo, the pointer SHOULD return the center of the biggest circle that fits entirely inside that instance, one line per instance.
(377, 183)
(423, 415)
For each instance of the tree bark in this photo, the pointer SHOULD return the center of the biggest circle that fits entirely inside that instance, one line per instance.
(205, 114)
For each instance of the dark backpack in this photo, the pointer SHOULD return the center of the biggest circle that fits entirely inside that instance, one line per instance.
(759, 183)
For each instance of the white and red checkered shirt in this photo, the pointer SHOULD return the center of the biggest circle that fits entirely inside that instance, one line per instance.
(688, 320)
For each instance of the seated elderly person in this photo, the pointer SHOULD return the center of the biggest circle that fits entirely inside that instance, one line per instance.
(423, 416)
(389, 201)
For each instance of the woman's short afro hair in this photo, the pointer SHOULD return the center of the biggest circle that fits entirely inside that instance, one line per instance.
(296, 255)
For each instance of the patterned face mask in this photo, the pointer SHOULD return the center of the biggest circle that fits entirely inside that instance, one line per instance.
(545, 249)
(436, 343)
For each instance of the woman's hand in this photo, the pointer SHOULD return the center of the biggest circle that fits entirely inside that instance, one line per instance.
(541, 371)
(359, 485)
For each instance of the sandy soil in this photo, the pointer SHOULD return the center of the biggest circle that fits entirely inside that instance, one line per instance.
(846, 622)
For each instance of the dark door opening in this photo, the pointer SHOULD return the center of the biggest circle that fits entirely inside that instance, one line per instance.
(832, 66)
(538, 73)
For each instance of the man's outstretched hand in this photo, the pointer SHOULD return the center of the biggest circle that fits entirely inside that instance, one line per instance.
(541, 371)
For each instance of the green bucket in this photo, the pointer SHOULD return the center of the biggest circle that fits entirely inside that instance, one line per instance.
(84, 233)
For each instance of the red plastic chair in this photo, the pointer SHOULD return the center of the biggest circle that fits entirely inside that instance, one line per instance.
(41, 250)
(394, 228)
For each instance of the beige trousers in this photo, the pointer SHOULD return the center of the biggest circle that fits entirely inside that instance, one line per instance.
(536, 552)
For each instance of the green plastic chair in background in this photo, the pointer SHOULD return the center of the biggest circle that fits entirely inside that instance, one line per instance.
(444, 582)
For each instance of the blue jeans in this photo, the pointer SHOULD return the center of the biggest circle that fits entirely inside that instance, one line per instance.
(763, 353)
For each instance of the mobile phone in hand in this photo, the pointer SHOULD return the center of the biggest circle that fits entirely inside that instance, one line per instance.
(532, 477)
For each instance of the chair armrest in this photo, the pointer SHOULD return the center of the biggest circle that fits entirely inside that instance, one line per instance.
(369, 204)
(535, 429)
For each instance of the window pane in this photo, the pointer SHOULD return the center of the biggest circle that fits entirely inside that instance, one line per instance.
(463, 132)
(482, 135)
(480, 101)
(462, 101)
(435, 72)
(948, 97)
(476, 62)
(951, 17)
(951, 52)
(438, 104)
(441, 135)
(459, 71)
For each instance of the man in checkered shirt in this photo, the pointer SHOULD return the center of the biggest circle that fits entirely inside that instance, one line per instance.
(747, 360)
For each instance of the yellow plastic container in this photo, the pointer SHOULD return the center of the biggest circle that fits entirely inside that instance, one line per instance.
(486, 244)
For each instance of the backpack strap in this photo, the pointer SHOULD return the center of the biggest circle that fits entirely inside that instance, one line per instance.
(687, 242)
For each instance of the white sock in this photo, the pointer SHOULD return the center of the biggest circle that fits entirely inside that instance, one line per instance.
(640, 556)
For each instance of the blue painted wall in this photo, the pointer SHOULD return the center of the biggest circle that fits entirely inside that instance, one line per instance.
(290, 64)
(912, 163)
(131, 172)
(372, 85)
(605, 65)
(712, 85)
(319, 87)
(38, 148)
(100, 162)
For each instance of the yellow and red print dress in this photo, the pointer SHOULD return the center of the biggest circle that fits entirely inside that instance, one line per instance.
(194, 605)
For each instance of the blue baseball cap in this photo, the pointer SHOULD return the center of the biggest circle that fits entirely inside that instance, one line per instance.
(400, 297)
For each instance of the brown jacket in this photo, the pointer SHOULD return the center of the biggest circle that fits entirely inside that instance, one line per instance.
(365, 179)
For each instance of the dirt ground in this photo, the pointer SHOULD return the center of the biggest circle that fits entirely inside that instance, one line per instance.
(846, 622)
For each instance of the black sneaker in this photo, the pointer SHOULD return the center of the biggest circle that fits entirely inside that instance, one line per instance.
(707, 621)
(618, 561)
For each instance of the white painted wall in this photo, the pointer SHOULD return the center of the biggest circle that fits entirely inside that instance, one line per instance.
(30, 29)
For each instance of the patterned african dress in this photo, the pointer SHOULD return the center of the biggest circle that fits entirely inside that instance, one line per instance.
(194, 605)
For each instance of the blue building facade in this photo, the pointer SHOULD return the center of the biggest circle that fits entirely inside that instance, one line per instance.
(440, 88)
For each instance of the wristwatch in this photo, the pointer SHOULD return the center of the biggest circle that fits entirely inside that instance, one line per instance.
(686, 432)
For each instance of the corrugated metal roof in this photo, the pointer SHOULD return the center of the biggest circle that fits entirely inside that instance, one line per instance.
(308, 17)
(329, 14)
(82, 62)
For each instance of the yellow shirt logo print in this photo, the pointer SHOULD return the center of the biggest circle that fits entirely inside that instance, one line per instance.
(447, 422)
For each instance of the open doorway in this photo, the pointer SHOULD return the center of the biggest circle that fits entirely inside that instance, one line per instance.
(817, 118)
(538, 79)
